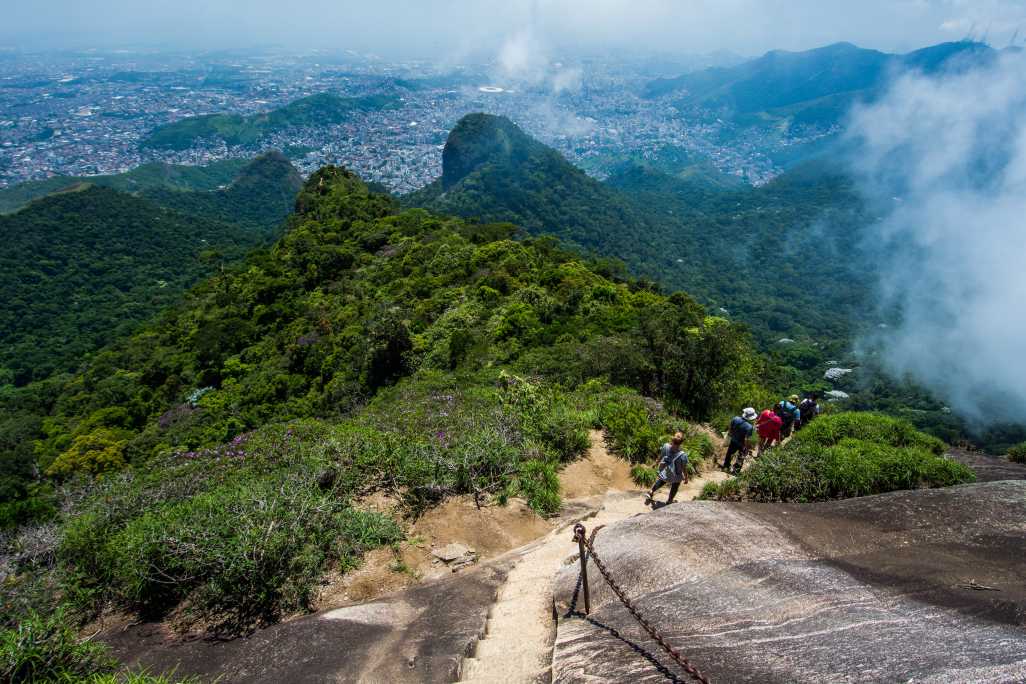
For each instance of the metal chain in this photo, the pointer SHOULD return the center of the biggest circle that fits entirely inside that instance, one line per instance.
(679, 658)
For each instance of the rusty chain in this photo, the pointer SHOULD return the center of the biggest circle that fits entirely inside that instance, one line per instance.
(679, 658)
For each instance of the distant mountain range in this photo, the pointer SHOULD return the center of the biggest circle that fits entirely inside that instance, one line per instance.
(324, 109)
(796, 102)
(83, 265)
(814, 87)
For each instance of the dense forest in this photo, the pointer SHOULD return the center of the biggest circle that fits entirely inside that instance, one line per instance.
(82, 267)
(751, 251)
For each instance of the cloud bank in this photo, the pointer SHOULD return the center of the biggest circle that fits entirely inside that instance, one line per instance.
(945, 160)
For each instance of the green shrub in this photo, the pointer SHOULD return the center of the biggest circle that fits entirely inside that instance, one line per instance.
(241, 554)
(643, 475)
(564, 431)
(47, 649)
(710, 490)
(630, 428)
(729, 489)
(1017, 453)
(35, 509)
(538, 483)
(846, 455)
(869, 427)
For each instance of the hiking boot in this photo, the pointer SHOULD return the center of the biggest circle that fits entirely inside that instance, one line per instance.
(648, 499)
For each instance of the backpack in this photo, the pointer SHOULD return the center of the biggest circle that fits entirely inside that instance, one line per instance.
(808, 410)
(785, 410)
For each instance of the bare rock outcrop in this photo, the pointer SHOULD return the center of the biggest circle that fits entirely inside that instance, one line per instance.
(910, 586)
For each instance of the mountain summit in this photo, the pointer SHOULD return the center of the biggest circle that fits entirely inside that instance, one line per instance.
(480, 140)
(493, 171)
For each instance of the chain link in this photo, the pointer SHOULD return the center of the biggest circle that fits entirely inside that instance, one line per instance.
(579, 536)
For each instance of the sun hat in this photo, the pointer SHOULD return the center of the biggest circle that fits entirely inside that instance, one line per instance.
(749, 414)
(793, 398)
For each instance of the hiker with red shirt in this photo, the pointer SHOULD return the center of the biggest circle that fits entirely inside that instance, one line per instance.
(768, 426)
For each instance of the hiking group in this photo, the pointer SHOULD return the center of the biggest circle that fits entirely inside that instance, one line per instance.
(773, 426)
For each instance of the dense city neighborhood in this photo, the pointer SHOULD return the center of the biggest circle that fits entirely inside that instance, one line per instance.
(82, 114)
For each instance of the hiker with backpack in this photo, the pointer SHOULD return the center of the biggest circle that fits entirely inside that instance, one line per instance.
(673, 468)
(768, 426)
(809, 409)
(788, 411)
(741, 428)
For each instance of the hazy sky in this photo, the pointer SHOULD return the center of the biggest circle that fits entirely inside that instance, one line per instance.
(454, 28)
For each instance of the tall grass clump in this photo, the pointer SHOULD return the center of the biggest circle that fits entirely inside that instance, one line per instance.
(847, 455)
(1017, 453)
(47, 649)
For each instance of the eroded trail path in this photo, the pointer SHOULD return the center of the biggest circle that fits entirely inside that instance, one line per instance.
(520, 632)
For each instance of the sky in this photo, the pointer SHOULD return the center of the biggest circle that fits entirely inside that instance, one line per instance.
(451, 29)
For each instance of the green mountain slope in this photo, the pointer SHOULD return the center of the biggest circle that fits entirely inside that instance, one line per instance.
(151, 176)
(493, 171)
(259, 197)
(121, 257)
(317, 110)
(371, 349)
(82, 268)
(768, 255)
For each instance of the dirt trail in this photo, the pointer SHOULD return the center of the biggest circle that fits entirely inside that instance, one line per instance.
(520, 631)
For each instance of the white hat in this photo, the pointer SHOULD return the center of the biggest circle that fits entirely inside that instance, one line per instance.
(749, 414)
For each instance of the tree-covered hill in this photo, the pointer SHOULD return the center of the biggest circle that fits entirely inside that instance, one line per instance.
(259, 197)
(324, 109)
(493, 171)
(152, 176)
(87, 263)
(357, 295)
(767, 255)
(369, 348)
(82, 268)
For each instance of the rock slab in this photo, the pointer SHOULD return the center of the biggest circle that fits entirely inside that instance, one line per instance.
(909, 586)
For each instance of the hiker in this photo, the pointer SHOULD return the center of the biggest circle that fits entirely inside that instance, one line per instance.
(673, 468)
(788, 411)
(809, 409)
(741, 429)
(768, 426)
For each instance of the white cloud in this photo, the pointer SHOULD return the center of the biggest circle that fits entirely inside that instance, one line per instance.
(954, 247)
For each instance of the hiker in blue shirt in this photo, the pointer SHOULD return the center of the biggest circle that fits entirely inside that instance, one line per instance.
(673, 468)
(789, 413)
(741, 428)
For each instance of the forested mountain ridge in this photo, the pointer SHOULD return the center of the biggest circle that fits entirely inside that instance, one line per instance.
(812, 87)
(80, 268)
(83, 266)
(768, 255)
(493, 171)
(259, 197)
(355, 296)
(155, 175)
